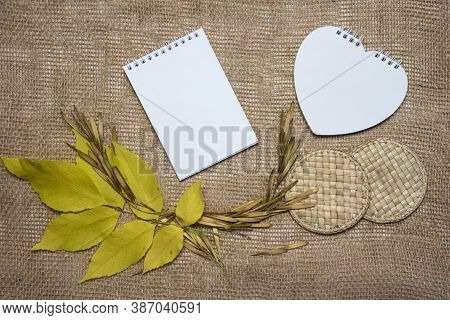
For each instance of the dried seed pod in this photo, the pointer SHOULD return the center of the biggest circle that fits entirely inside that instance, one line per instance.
(271, 252)
(296, 245)
(246, 206)
(100, 128)
(94, 131)
(282, 249)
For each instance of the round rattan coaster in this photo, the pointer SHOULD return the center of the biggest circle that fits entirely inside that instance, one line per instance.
(397, 179)
(343, 195)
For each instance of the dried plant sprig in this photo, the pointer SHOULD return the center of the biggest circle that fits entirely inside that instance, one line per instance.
(197, 242)
(287, 145)
(253, 213)
(107, 181)
(97, 155)
(248, 216)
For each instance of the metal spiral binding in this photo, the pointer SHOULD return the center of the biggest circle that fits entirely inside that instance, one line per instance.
(353, 37)
(168, 46)
(346, 32)
(386, 56)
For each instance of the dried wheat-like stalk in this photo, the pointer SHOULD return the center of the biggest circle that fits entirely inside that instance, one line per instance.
(97, 155)
(252, 214)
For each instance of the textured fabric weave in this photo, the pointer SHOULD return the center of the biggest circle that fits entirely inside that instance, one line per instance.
(56, 55)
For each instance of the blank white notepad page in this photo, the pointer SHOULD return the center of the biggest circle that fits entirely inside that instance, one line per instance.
(191, 104)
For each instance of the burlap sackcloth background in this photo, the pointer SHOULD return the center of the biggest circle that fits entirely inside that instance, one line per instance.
(55, 55)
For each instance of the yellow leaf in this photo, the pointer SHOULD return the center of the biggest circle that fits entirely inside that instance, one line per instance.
(167, 245)
(123, 247)
(142, 213)
(190, 205)
(112, 197)
(138, 176)
(13, 165)
(78, 231)
(61, 185)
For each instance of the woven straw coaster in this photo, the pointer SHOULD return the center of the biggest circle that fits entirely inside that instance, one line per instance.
(397, 179)
(343, 195)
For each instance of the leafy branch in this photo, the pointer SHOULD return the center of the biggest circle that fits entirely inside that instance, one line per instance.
(106, 179)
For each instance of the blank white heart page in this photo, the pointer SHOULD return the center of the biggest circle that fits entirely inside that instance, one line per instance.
(343, 89)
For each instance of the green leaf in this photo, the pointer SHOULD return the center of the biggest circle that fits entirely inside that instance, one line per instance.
(111, 196)
(138, 176)
(61, 185)
(123, 247)
(78, 231)
(167, 245)
(190, 205)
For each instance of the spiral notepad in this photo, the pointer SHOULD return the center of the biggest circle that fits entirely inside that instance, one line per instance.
(341, 87)
(191, 104)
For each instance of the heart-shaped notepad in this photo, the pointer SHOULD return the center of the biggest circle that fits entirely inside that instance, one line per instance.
(343, 89)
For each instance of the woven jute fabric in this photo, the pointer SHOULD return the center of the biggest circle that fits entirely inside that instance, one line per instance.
(397, 179)
(55, 55)
(343, 197)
